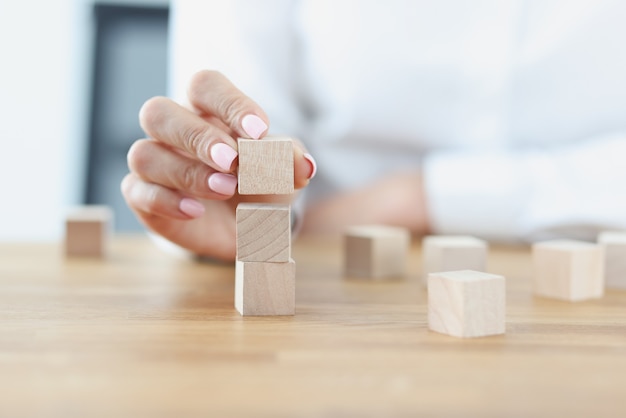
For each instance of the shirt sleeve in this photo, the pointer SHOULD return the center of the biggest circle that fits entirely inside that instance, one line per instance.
(573, 191)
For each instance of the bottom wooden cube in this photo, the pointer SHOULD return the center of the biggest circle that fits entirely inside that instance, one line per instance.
(376, 251)
(263, 288)
(568, 270)
(466, 303)
(87, 230)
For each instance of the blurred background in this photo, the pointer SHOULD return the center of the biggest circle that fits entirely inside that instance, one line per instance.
(74, 74)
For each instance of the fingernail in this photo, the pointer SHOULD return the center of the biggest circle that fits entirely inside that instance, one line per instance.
(311, 160)
(223, 183)
(223, 155)
(253, 126)
(191, 207)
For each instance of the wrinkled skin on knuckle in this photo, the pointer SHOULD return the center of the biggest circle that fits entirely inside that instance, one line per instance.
(232, 107)
(196, 141)
(151, 200)
(188, 178)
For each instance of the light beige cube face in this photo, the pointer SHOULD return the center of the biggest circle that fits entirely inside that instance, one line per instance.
(568, 270)
(266, 166)
(265, 289)
(451, 253)
(376, 251)
(614, 246)
(263, 232)
(87, 231)
(466, 303)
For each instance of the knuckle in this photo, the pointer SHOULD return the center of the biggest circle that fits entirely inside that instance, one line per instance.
(151, 112)
(139, 156)
(151, 200)
(201, 82)
(126, 185)
(188, 177)
(232, 107)
(197, 140)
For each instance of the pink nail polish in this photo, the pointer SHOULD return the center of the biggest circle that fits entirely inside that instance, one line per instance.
(223, 155)
(223, 183)
(253, 126)
(191, 207)
(311, 160)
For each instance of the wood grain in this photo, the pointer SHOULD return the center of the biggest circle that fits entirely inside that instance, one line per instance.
(147, 334)
(263, 232)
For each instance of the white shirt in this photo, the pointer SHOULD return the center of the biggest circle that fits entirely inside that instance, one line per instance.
(514, 110)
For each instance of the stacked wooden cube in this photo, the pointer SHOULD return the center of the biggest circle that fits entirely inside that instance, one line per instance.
(265, 272)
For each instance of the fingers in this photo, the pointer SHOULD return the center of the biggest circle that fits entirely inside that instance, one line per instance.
(305, 166)
(212, 93)
(172, 124)
(153, 199)
(156, 163)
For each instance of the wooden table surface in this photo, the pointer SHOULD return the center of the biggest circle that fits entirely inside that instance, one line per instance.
(147, 334)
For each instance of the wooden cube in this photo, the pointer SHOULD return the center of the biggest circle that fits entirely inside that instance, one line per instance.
(568, 270)
(451, 252)
(376, 251)
(614, 246)
(266, 166)
(87, 230)
(265, 288)
(263, 232)
(466, 303)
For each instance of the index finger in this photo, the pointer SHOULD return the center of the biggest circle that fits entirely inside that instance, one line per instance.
(212, 93)
(172, 124)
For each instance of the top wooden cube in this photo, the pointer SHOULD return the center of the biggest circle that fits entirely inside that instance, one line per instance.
(266, 166)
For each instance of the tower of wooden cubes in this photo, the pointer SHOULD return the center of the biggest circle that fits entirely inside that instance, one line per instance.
(265, 273)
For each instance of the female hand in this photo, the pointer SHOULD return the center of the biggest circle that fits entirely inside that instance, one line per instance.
(181, 183)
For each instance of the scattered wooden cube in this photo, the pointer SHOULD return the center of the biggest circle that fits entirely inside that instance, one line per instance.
(466, 303)
(614, 245)
(87, 230)
(568, 270)
(376, 251)
(451, 252)
(265, 288)
(263, 232)
(266, 166)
